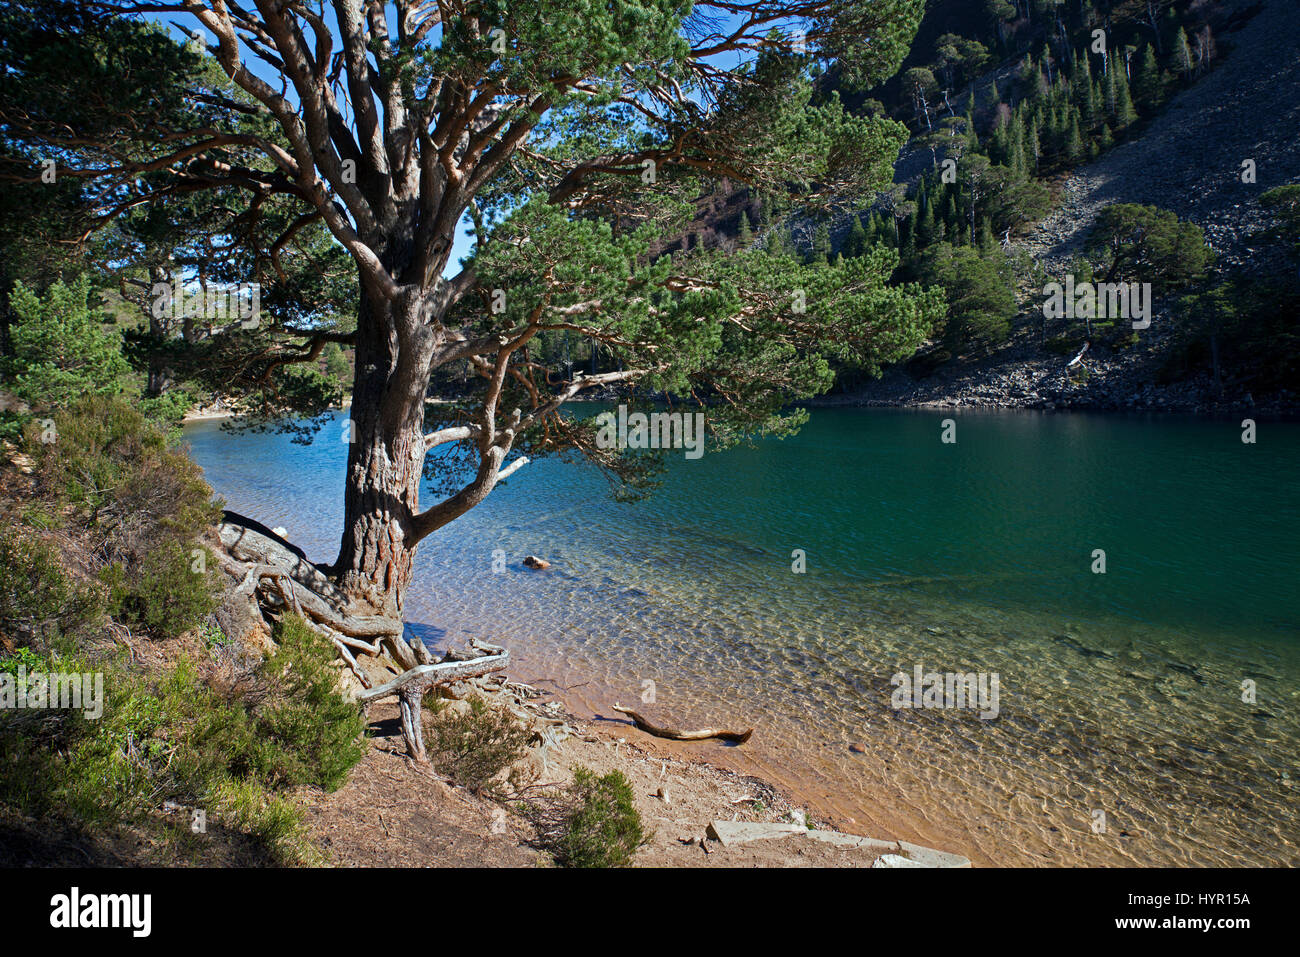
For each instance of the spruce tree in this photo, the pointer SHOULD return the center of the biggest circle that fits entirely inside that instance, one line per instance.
(855, 243)
(1146, 81)
(1074, 148)
(1124, 114)
(1181, 55)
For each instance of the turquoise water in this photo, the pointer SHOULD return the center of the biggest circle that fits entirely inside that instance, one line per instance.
(1121, 692)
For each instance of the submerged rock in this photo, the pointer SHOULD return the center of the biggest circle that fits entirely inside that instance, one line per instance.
(532, 561)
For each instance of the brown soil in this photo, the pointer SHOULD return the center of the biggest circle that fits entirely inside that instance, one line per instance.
(393, 812)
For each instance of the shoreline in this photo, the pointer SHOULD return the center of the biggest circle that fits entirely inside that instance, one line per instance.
(696, 813)
(767, 758)
(203, 414)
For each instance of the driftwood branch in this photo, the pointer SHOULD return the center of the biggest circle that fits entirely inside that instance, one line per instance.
(739, 737)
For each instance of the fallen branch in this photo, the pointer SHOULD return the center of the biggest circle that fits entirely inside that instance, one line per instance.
(740, 737)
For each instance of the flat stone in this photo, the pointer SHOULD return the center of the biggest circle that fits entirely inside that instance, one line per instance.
(929, 857)
(728, 833)
(853, 840)
(893, 860)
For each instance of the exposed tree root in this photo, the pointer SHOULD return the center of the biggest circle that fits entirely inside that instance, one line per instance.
(739, 737)
(411, 686)
(276, 576)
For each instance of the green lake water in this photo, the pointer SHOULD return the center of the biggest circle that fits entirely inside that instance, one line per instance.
(1121, 693)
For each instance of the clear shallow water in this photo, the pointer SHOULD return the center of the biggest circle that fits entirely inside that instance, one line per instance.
(1120, 692)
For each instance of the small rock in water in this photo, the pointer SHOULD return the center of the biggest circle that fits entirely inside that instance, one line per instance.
(532, 561)
(857, 748)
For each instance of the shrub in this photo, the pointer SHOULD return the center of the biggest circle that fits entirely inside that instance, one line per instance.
(38, 600)
(121, 468)
(316, 729)
(33, 586)
(175, 738)
(475, 747)
(603, 826)
(144, 503)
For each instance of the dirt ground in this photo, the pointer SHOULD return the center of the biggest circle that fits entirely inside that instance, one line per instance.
(393, 812)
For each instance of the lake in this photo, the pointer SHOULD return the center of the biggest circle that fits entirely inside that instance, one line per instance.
(1148, 714)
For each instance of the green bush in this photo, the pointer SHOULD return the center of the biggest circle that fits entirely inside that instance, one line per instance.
(38, 600)
(175, 590)
(176, 738)
(143, 501)
(475, 747)
(317, 730)
(603, 826)
(122, 469)
(33, 586)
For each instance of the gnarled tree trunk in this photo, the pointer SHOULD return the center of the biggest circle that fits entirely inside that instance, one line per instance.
(385, 458)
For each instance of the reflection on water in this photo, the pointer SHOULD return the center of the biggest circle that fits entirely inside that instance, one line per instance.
(1121, 693)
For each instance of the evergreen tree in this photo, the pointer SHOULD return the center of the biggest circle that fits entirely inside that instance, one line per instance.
(855, 243)
(1109, 94)
(1074, 148)
(1091, 106)
(1181, 55)
(1016, 139)
(1124, 115)
(1146, 81)
(745, 234)
(908, 229)
(926, 226)
(821, 247)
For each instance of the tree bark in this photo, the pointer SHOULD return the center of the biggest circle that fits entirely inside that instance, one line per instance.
(385, 455)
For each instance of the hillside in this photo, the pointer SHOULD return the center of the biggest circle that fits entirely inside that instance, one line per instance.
(1186, 160)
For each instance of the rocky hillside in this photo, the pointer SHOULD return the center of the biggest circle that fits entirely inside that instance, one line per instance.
(1188, 160)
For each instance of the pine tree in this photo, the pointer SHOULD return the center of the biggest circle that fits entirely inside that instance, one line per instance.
(745, 234)
(1016, 146)
(1181, 55)
(998, 141)
(855, 243)
(821, 245)
(908, 235)
(1074, 149)
(1090, 108)
(1146, 82)
(1110, 93)
(1124, 114)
